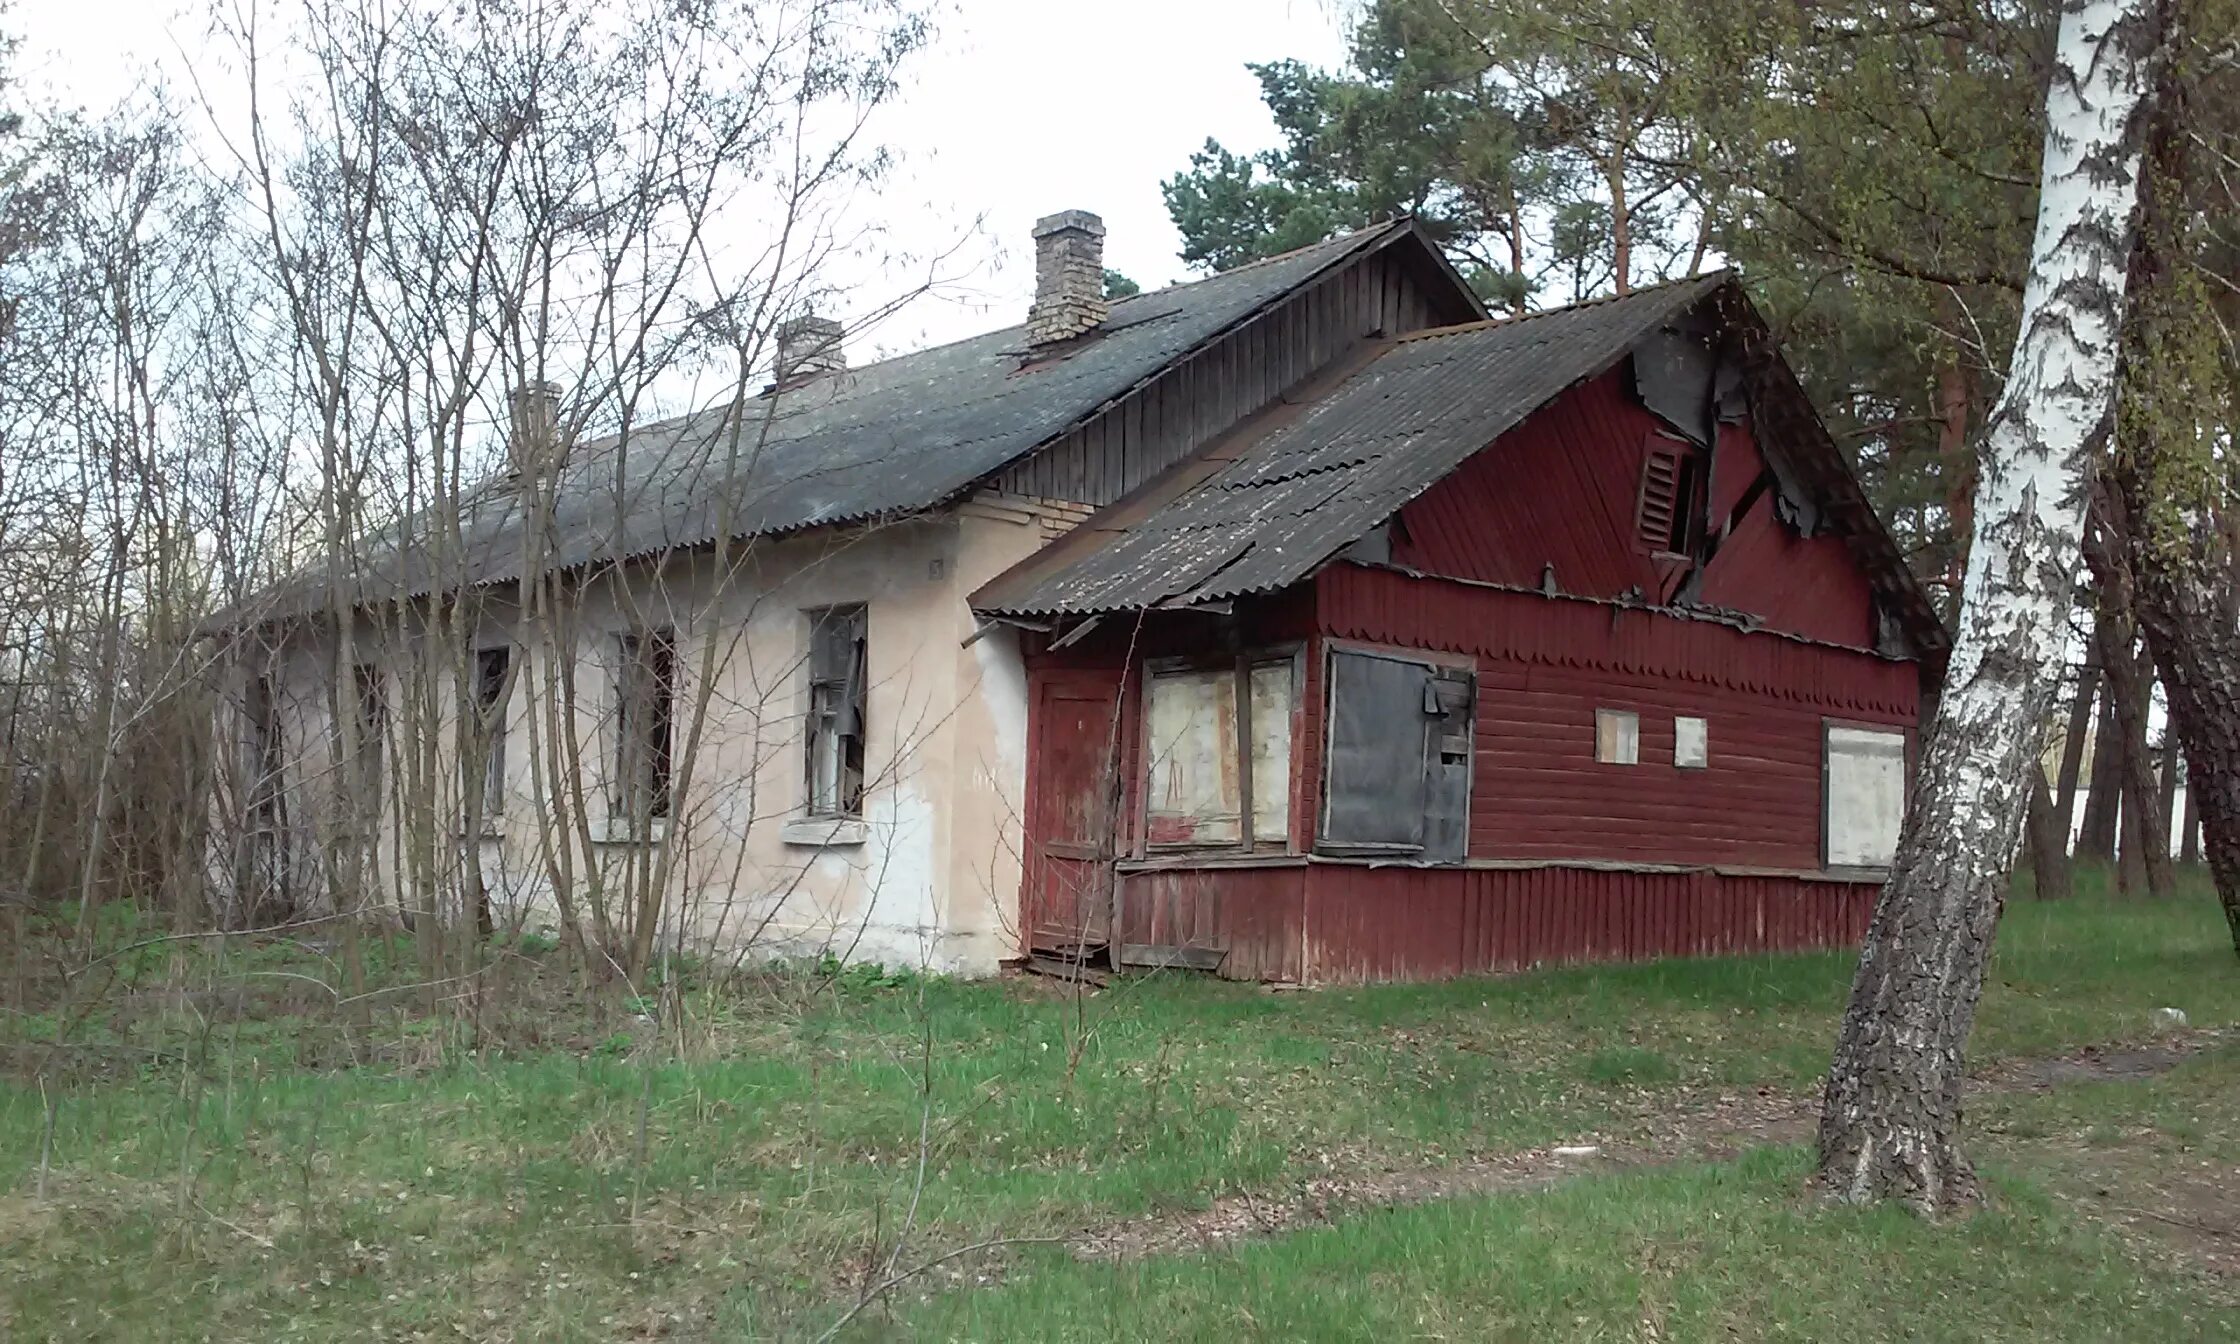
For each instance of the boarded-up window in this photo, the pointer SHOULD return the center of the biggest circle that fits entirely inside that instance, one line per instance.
(1396, 775)
(1691, 742)
(1865, 775)
(1617, 737)
(1217, 746)
(837, 661)
(1272, 699)
(648, 693)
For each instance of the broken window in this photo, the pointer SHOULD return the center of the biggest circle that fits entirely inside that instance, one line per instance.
(648, 715)
(1864, 774)
(1669, 506)
(835, 728)
(372, 723)
(264, 751)
(261, 873)
(492, 670)
(1617, 737)
(1217, 755)
(1691, 742)
(1397, 774)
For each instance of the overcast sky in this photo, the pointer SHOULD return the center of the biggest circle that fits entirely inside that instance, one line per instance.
(1022, 108)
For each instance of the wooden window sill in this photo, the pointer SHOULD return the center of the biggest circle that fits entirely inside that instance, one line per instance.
(1210, 858)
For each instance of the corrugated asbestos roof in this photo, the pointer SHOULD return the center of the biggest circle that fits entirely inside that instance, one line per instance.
(1314, 484)
(901, 435)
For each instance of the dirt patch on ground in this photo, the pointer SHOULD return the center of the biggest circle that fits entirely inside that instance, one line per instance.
(1707, 1127)
(2195, 1209)
(1700, 1127)
(2095, 1064)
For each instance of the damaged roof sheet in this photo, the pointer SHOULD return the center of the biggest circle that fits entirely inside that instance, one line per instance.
(889, 438)
(1314, 484)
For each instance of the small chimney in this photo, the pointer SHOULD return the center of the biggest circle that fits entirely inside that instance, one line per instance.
(535, 442)
(1068, 277)
(809, 345)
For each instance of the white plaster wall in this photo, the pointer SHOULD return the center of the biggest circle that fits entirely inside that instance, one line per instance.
(933, 880)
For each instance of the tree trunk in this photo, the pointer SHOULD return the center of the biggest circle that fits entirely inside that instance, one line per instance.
(2145, 865)
(1621, 222)
(2096, 837)
(2201, 658)
(1892, 1109)
(2182, 536)
(2132, 878)
(2048, 843)
(2072, 745)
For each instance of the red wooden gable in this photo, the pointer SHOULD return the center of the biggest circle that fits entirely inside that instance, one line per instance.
(1594, 486)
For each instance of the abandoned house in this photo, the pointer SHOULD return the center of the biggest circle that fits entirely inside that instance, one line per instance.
(1298, 623)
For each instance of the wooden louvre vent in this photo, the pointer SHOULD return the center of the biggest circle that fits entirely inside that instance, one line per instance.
(1659, 509)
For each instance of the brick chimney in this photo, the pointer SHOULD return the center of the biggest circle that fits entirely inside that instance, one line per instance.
(534, 444)
(809, 345)
(1068, 277)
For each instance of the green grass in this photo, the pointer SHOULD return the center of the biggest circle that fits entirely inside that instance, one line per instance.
(1702, 1252)
(1713, 1251)
(238, 1175)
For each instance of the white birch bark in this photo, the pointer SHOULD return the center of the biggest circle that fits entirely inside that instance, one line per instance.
(1892, 1108)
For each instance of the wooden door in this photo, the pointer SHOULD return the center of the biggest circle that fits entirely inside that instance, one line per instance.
(1073, 807)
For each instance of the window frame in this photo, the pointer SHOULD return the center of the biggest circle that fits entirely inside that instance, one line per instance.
(1684, 523)
(645, 778)
(857, 693)
(1615, 713)
(490, 714)
(369, 685)
(1905, 738)
(1240, 666)
(1439, 662)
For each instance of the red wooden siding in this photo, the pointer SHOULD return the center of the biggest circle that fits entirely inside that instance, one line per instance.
(1558, 489)
(1545, 666)
(1382, 606)
(1561, 489)
(1426, 923)
(1573, 860)
(1569, 859)
(1539, 792)
(1806, 586)
(1346, 922)
(1253, 914)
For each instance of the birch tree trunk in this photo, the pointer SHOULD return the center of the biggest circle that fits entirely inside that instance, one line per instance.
(1889, 1125)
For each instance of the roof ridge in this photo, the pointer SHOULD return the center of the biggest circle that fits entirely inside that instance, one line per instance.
(1350, 235)
(1722, 275)
(684, 417)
